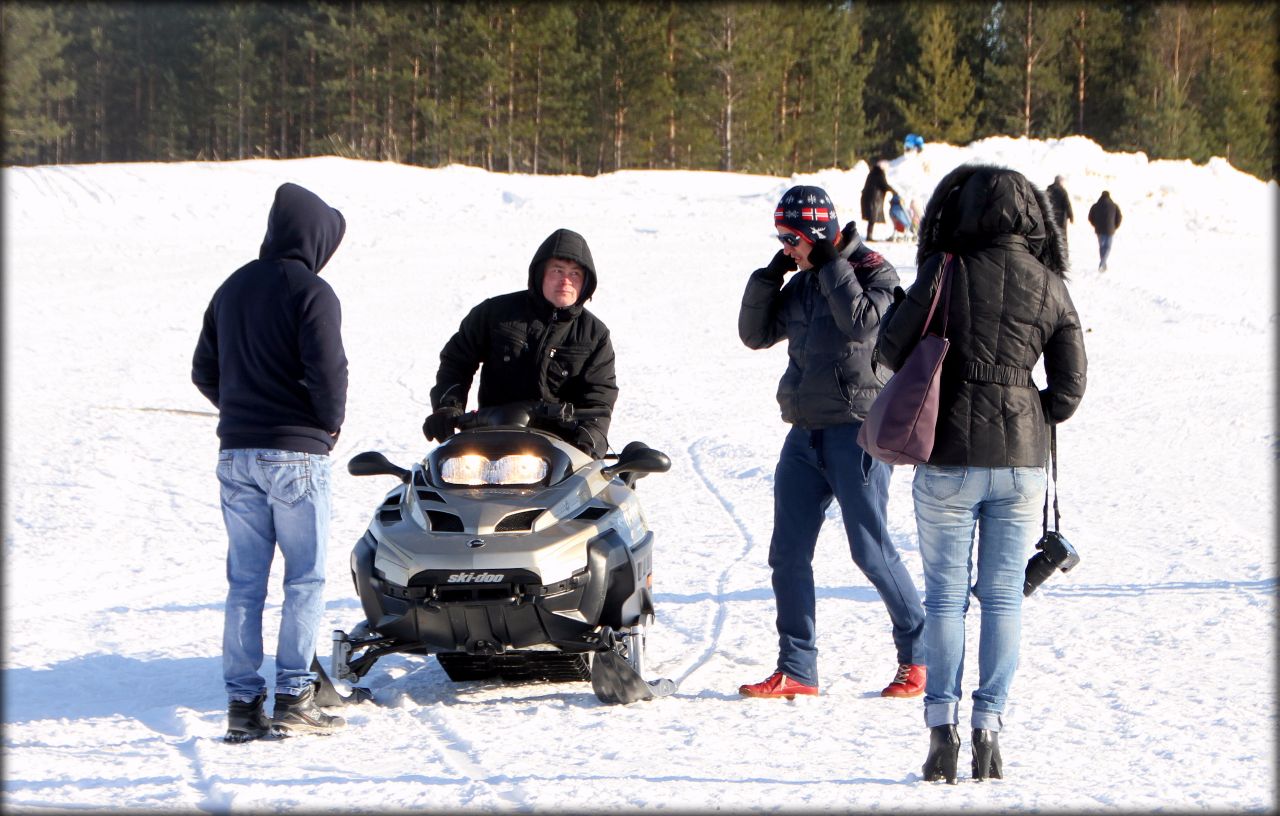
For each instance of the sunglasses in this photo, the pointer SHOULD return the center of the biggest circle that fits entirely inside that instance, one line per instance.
(788, 238)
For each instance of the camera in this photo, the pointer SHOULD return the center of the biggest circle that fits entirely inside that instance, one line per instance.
(1056, 553)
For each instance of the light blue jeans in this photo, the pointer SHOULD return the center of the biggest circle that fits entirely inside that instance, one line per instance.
(269, 498)
(1104, 249)
(1004, 504)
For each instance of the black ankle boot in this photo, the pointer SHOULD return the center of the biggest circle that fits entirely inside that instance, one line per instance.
(246, 720)
(986, 755)
(944, 754)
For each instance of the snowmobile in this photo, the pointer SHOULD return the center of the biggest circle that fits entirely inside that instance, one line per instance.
(509, 554)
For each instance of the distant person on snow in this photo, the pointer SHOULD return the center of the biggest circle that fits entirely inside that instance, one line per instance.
(270, 359)
(1008, 305)
(828, 313)
(538, 347)
(873, 190)
(1105, 217)
(1062, 212)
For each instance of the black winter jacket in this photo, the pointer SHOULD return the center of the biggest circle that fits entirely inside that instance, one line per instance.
(270, 354)
(1105, 215)
(1062, 212)
(1009, 304)
(829, 318)
(529, 351)
(872, 199)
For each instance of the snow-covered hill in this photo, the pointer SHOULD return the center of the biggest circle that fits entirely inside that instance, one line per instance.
(1148, 674)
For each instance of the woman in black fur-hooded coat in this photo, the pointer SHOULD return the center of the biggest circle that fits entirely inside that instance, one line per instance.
(1008, 305)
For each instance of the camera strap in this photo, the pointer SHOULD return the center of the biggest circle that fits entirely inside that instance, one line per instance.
(1053, 469)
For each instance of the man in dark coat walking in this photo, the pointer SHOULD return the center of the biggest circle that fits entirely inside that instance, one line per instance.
(873, 192)
(539, 348)
(1061, 204)
(270, 359)
(1105, 217)
(828, 314)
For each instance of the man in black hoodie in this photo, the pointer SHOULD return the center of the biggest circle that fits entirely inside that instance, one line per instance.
(270, 358)
(538, 347)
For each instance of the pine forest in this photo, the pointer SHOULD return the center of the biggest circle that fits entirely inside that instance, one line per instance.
(593, 87)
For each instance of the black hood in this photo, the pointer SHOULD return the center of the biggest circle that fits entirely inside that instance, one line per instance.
(571, 246)
(975, 205)
(301, 227)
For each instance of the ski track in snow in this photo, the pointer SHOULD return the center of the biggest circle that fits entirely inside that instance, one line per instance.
(721, 604)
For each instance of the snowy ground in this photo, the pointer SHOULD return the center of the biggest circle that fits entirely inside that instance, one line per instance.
(1147, 679)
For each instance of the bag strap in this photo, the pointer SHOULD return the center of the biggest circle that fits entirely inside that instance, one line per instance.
(1053, 466)
(948, 262)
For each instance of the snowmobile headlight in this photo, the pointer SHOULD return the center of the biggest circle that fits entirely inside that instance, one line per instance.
(516, 469)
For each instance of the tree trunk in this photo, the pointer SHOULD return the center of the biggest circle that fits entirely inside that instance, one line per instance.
(1080, 72)
(413, 112)
(537, 109)
(727, 145)
(511, 91)
(619, 120)
(1026, 81)
(671, 86)
(311, 100)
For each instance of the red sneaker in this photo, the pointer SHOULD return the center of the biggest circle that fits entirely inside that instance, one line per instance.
(908, 682)
(778, 685)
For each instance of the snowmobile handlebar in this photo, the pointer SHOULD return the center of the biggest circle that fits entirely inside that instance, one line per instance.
(522, 414)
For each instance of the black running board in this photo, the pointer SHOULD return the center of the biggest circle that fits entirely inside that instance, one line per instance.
(615, 681)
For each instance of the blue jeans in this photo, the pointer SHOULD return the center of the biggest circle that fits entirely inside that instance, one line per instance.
(1104, 249)
(1005, 505)
(814, 467)
(269, 498)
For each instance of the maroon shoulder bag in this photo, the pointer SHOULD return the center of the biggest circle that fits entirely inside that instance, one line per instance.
(903, 419)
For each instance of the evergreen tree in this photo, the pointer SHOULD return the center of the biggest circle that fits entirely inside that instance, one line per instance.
(1024, 96)
(35, 84)
(1240, 85)
(937, 100)
(1162, 112)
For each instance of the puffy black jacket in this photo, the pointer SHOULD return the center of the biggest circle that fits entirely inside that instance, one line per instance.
(1104, 215)
(270, 354)
(529, 351)
(1009, 304)
(829, 318)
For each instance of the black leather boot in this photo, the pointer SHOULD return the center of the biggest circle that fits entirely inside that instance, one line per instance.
(986, 755)
(944, 754)
(247, 721)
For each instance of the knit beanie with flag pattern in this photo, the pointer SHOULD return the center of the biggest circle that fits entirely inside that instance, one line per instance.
(808, 210)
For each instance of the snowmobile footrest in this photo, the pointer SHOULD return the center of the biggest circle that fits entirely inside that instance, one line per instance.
(328, 695)
(614, 680)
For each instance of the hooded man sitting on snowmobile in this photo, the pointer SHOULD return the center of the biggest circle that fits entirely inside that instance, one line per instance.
(538, 347)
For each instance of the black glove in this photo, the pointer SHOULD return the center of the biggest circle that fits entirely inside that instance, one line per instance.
(781, 264)
(823, 252)
(440, 425)
(583, 440)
